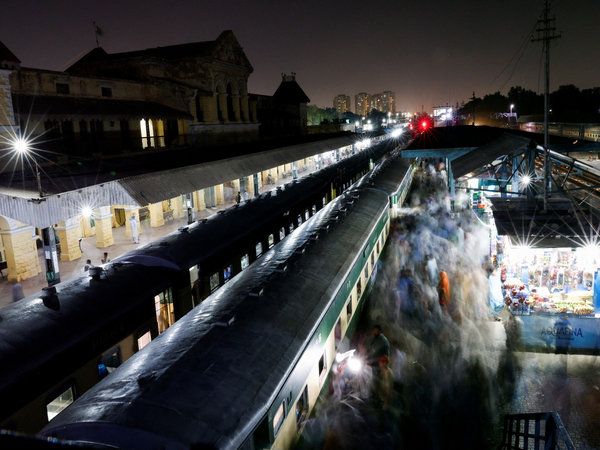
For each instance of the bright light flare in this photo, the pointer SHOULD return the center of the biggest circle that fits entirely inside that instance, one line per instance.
(21, 145)
(354, 364)
(86, 211)
(397, 132)
(526, 180)
(424, 124)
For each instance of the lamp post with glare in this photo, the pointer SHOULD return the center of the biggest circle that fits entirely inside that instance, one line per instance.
(21, 146)
(511, 108)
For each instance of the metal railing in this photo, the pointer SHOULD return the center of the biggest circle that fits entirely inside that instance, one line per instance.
(535, 431)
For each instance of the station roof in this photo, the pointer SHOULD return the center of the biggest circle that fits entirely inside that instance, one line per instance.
(147, 178)
(562, 222)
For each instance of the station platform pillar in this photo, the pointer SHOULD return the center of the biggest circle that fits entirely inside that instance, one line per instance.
(68, 234)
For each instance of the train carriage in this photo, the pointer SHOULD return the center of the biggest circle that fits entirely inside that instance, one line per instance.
(245, 368)
(55, 348)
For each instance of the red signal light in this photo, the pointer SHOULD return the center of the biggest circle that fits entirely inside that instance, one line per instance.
(424, 124)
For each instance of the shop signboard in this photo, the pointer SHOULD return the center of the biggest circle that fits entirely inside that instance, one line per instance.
(560, 331)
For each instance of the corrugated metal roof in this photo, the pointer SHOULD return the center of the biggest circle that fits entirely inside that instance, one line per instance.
(486, 154)
(159, 186)
(42, 213)
(155, 187)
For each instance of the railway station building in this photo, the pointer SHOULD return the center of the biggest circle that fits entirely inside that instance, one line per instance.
(166, 132)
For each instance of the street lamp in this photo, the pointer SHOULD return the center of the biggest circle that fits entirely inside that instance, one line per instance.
(511, 108)
(21, 146)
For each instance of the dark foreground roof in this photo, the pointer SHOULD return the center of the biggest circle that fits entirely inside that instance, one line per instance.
(46, 107)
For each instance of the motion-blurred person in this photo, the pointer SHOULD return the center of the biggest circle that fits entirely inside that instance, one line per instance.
(378, 346)
(17, 292)
(105, 259)
(495, 297)
(406, 288)
(383, 384)
(432, 269)
(444, 290)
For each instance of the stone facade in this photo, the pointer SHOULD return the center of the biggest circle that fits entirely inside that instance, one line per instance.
(21, 253)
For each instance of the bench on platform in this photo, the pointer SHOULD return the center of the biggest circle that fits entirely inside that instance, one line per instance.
(168, 215)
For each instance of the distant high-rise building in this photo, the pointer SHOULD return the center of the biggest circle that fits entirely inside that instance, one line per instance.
(388, 102)
(375, 103)
(384, 102)
(362, 100)
(341, 103)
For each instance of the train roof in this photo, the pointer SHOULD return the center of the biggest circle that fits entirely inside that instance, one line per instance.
(201, 383)
(35, 339)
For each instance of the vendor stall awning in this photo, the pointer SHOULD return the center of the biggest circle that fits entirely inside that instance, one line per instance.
(563, 224)
(45, 107)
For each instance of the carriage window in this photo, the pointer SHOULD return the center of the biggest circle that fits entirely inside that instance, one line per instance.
(349, 309)
(214, 281)
(299, 220)
(367, 271)
(314, 209)
(144, 340)
(377, 247)
(338, 333)
(109, 362)
(278, 418)
(165, 313)
(323, 366)
(271, 240)
(60, 403)
(258, 249)
(358, 288)
(291, 227)
(324, 201)
(302, 407)
(281, 233)
(306, 215)
(227, 274)
(245, 261)
(372, 259)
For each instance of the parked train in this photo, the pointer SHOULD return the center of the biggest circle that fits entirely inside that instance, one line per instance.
(56, 345)
(245, 368)
(586, 131)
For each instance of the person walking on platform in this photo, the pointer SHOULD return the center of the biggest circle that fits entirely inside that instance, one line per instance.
(444, 290)
(378, 346)
(18, 292)
(135, 232)
(88, 265)
(105, 259)
(238, 198)
(495, 298)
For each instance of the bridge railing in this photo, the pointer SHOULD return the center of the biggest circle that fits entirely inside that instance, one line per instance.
(535, 431)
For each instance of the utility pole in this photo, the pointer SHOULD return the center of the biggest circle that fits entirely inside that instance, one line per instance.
(546, 32)
(473, 98)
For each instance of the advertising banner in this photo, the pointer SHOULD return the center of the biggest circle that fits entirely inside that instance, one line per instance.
(560, 331)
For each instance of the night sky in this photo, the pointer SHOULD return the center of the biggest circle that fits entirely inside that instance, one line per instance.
(428, 52)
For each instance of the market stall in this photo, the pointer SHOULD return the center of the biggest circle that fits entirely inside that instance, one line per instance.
(553, 295)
